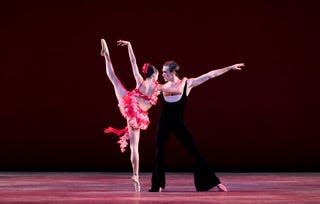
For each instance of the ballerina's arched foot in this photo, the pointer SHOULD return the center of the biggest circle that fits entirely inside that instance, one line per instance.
(104, 48)
(136, 183)
(222, 188)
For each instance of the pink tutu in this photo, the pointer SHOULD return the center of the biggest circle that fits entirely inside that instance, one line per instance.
(135, 116)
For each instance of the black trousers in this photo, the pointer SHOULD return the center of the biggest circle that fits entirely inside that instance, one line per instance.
(204, 176)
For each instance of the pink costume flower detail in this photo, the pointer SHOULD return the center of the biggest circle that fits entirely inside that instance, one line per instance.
(145, 68)
(122, 134)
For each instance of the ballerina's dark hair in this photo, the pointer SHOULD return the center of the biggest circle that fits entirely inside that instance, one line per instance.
(148, 69)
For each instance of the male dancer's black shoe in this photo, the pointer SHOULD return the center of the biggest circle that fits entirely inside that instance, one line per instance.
(155, 189)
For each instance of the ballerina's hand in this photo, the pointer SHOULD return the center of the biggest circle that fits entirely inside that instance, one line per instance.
(122, 43)
(237, 66)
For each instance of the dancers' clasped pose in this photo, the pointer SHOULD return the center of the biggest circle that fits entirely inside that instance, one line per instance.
(134, 104)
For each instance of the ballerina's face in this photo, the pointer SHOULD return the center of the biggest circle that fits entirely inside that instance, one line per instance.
(156, 76)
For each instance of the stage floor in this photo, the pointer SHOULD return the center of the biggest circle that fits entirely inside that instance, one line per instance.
(107, 187)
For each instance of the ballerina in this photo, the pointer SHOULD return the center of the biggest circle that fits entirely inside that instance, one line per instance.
(134, 105)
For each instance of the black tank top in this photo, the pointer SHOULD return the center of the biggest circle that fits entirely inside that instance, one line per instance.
(173, 112)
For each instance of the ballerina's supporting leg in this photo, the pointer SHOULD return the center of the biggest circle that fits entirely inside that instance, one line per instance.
(134, 136)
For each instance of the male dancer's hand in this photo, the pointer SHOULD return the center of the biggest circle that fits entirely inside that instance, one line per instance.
(237, 66)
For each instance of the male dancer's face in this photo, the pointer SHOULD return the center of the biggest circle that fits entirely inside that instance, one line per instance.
(166, 74)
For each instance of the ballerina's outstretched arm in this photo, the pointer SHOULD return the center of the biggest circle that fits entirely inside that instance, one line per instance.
(135, 70)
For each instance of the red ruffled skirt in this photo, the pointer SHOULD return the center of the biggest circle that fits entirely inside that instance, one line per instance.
(135, 116)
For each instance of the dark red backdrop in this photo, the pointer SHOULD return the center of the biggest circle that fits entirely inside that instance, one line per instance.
(56, 98)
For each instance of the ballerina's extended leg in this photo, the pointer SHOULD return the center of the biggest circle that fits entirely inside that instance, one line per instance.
(104, 48)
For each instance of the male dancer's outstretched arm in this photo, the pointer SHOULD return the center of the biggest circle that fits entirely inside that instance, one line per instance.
(193, 82)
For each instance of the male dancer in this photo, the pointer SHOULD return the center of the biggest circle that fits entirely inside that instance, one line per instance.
(172, 120)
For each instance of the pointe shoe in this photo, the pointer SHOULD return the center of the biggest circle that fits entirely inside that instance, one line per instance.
(104, 48)
(136, 183)
(222, 188)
